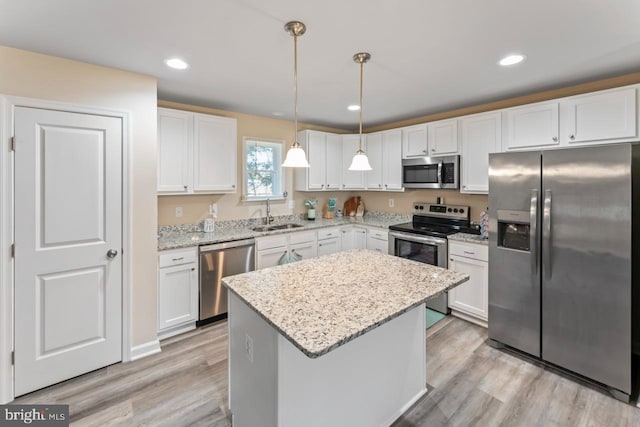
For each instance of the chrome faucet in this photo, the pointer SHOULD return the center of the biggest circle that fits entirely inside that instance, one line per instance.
(268, 219)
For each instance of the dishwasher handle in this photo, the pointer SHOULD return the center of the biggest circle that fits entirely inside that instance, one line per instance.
(227, 245)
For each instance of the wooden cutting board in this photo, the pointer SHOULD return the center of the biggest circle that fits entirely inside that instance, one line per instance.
(351, 205)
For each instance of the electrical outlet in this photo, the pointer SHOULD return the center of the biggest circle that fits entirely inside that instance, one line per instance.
(391, 203)
(292, 204)
(178, 211)
(248, 347)
(214, 210)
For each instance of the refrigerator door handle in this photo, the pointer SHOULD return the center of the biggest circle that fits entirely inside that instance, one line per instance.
(533, 233)
(546, 234)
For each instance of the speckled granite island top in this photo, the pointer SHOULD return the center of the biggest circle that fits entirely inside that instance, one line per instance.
(322, 303)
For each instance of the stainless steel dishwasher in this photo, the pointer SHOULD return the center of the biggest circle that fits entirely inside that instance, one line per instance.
(218, 261)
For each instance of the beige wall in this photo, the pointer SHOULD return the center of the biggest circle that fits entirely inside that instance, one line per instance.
(33, 75)
(196, 208)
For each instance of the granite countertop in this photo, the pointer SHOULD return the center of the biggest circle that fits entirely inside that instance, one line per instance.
(322, 303)
(469, 238)
(174, 237)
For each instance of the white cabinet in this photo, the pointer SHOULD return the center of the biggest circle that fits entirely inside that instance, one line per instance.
(481, 135)
(197, 153)
(177, 291)
(271, 249)
(442, 138)
(377, 240)
(609, 115)
(384, 150)
(329, 241)
(414, 141)
(351, 180)
(531, 126)
(353, 237)
(470, 299)
(324, 153)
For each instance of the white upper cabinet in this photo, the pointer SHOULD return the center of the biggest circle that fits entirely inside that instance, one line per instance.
(609, 115)
(481, 135)
(414, 141)
(442, 137)
(197, 153)
(174, 136)
(351, 180)
(392, 160)
(374, 153)
(531, 126)
(215, 152)
(324, 154)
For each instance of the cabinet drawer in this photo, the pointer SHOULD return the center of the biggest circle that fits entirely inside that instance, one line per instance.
(378, 234)
(469, 250)
(302, 237)
(171, 258)
(328, 233)
(271, 242)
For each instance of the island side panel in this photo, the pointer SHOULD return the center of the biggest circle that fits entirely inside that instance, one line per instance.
(253, 356)
(367, 382)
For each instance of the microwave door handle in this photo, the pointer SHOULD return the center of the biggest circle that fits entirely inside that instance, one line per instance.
(440, 174)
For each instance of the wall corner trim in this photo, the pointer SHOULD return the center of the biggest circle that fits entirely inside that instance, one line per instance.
(145, 350)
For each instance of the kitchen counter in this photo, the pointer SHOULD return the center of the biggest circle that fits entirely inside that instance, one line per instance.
(469, 238)
(186, 236)
(312, 340)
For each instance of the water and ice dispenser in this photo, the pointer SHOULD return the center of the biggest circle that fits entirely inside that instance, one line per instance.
(514, 229)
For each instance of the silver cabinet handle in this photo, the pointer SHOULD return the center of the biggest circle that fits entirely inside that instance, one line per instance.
(193, 269)
(344, 185)
(469, 253)
(112, 253)
(555, 139)
(424, 151)
(185, 187)
(533, 231)
(321, 185)
(546, 234)
(328, 185)
(572, 137)
(233, 186)
(385, 186)
(177, 259)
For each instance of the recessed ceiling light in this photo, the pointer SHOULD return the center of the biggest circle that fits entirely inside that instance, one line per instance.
(176, 63)
(353, 107)
(511, 60)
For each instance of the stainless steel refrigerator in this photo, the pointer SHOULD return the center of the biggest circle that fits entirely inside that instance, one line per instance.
(563, 241)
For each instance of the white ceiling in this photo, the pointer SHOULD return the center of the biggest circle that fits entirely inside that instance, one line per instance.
(427, 55)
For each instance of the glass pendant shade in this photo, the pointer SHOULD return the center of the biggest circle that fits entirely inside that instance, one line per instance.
(295, 157)
(360, 162)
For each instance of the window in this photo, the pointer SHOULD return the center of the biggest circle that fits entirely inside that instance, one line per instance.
(263, 174)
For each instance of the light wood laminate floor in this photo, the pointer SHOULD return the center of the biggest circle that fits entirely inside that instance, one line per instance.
(470, 384)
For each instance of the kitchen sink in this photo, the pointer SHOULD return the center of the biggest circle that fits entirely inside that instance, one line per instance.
(276, 227)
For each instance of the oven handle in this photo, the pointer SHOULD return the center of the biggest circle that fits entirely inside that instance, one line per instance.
(418, 239)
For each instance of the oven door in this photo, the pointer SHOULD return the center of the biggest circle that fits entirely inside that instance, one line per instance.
(425, 249)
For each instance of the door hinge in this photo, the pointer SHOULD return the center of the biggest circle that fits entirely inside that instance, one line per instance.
(13, 250)
(13, 143)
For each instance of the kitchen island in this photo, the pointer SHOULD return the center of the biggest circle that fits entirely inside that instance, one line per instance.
(336, 340)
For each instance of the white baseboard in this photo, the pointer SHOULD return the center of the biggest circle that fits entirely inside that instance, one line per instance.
(176, 330)
(469, 318)
(144, 350)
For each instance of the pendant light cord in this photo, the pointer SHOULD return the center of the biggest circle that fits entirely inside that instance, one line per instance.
(361, 78)
(295, 89)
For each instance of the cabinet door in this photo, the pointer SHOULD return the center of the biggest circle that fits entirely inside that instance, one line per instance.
(316, 154)
(414, 141)
(351, 180)
(333, 160)
(598, 117)
(347, 235)
(481, 135)
(174, 146)
(177, 295)
(270, 257)
(472, 296)
(532, 126)
(359, 238)
(215, 152)
(392, 160)
(328, 246)
(443, 137)
(377, 244)
(374, 152)
(305, 250)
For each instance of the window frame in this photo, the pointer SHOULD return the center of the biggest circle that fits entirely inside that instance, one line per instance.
(246, 197)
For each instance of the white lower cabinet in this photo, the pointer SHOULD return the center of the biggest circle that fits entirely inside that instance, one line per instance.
(177, 291)
(329, 241)
(470, 300)
(353, 237)
(271, 249)
(377, 240)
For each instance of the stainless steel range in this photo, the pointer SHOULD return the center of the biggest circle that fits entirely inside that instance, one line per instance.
(424, 239)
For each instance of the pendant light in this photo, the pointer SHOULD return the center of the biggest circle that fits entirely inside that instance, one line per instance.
(360, 161)
(295, 156)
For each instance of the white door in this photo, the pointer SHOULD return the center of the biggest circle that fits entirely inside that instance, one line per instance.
(329, 246)
(471, 297)
(316, 146)
(532, 126)
(414, 141)
(174, 145)
(305, 250)
(333, 161)
(481, 135)
(177, 295)
(68, 210)
(374, 152)
(215, 153)
(392, 160)
(443, 137)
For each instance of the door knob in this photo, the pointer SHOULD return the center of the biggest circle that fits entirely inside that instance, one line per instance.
(111, 253)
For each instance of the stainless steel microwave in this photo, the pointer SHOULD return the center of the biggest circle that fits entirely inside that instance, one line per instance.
(431, 172)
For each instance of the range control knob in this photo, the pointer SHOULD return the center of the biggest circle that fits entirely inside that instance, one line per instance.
(461, 210)
(421, 207)
(449, 210)
(455, 210)
(416, 207)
